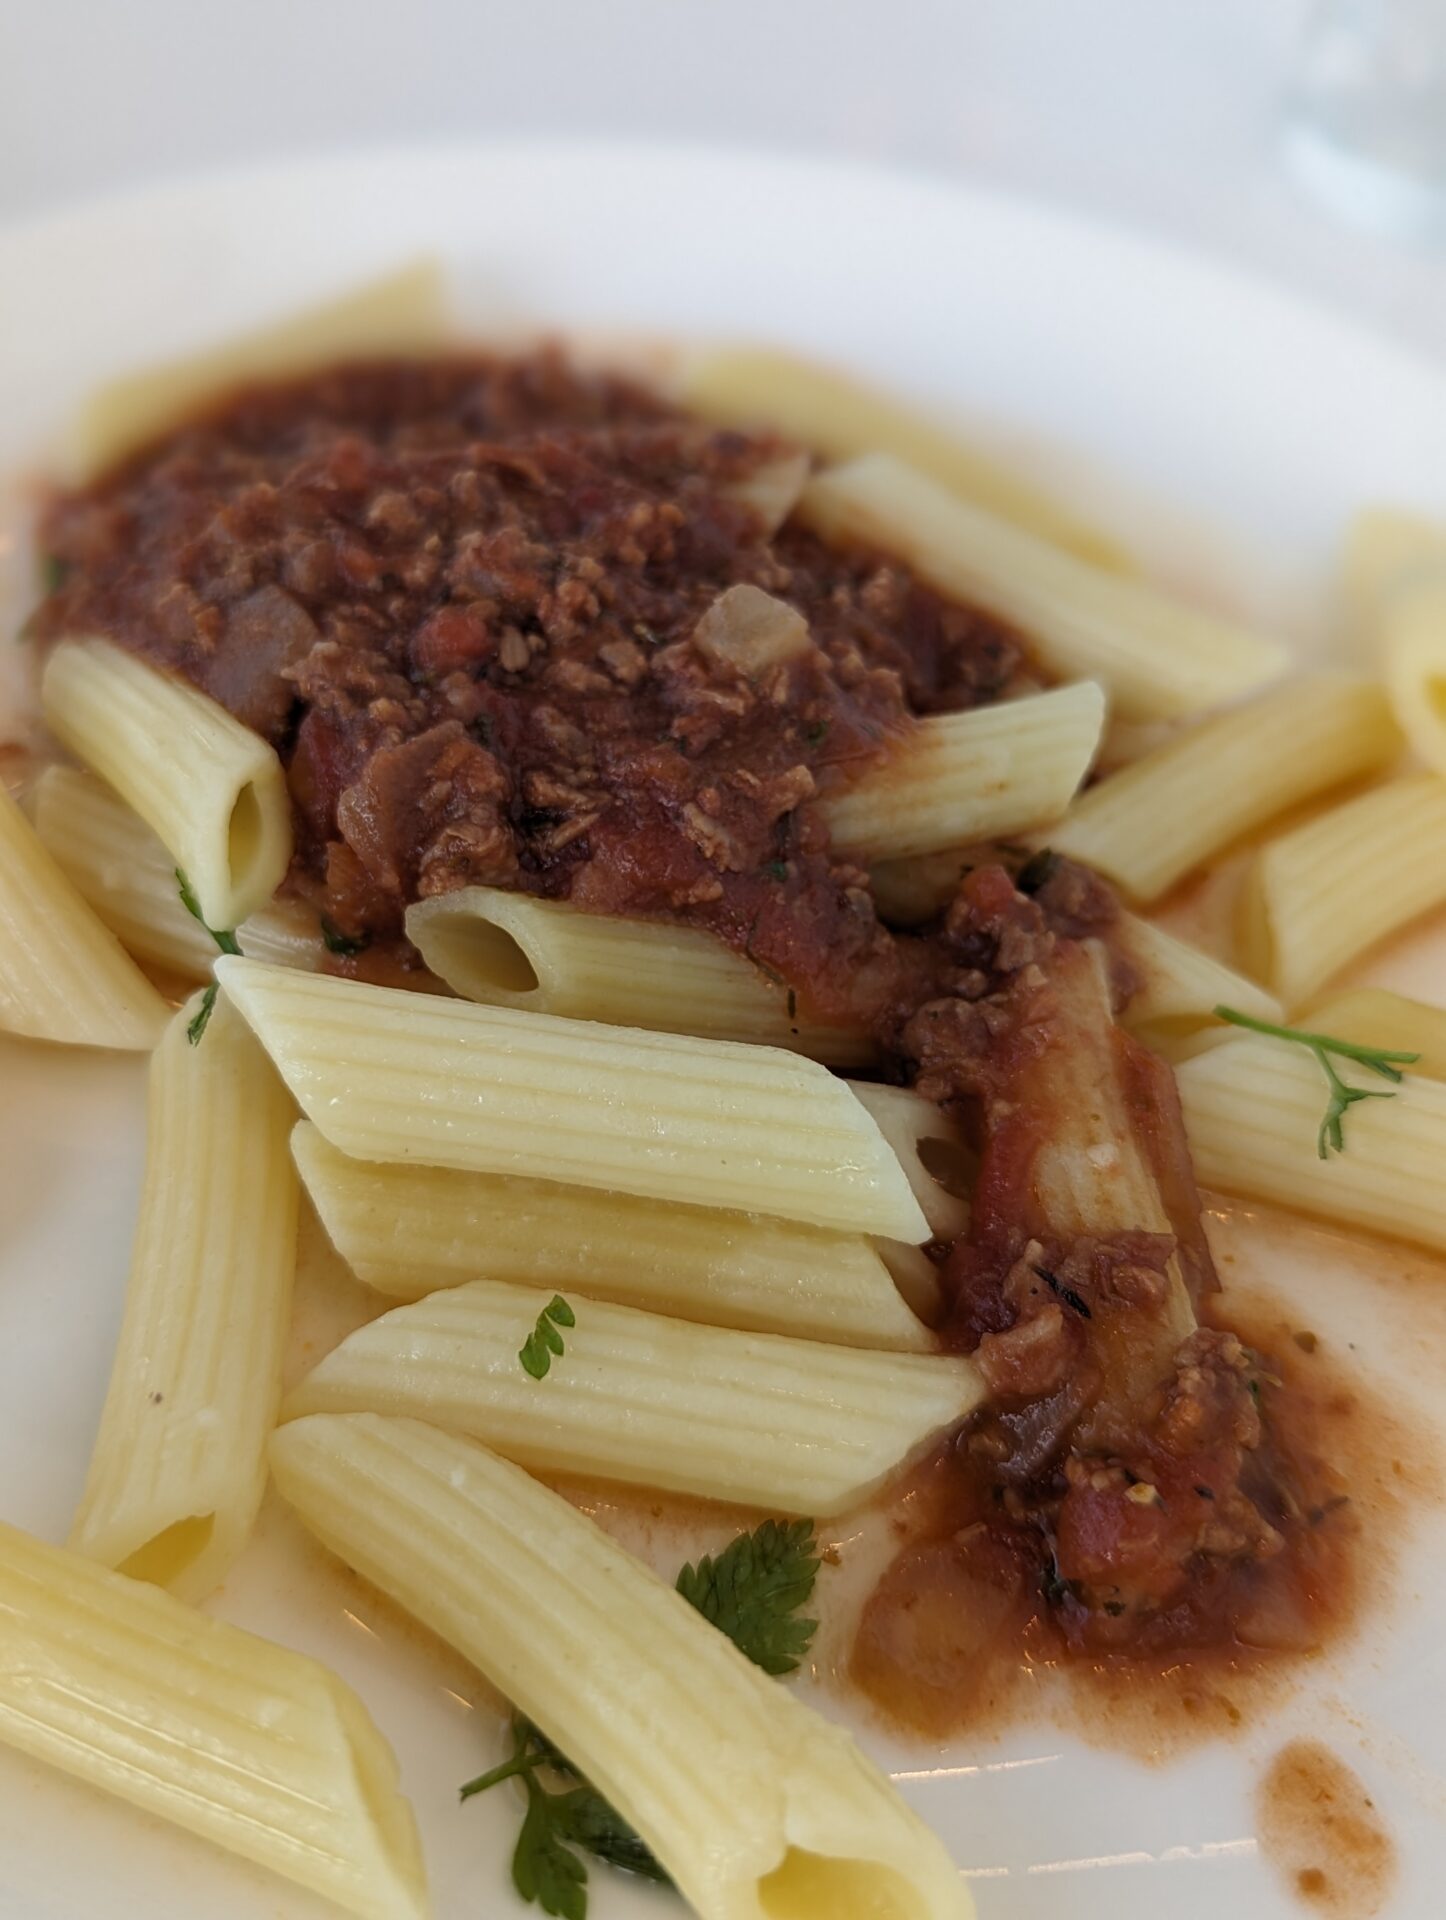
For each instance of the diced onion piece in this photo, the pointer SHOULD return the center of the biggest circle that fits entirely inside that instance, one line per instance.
(748, 629)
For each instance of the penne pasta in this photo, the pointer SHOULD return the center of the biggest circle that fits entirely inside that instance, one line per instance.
(1386, 548)
(1159, 819)
(932, 1151)
(210, 788)
(1320, 895)
(1413, 657)
(758, 1809)
(1373, 1017)
(757, 1419)
(179, 1464)
(908, 892)
(1180, 986)
(543, 956)
(63, 976)
(407, 1230)
(388, 1075)
(122, 871)
(961, 777)
(840, 417)
(400, 312)
(1253, 1106)
(1155, 657)
(254, 1747)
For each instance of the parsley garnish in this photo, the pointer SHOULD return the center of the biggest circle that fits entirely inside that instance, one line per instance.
(336, 941)
(776, 869)
(53, 572)
(225, 940)
(751, 1592)
(754, 1588)
(544, 1341)
(1322, 1046)
(815, 735)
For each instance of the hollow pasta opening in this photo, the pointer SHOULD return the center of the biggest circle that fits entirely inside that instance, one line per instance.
(483, 959)
(172, 1551)
(245, 834)
(809, 1885)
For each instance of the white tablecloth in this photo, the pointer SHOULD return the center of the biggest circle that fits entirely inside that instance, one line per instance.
(1161, 114)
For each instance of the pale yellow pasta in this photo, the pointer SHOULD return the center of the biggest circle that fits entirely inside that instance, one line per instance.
(407, 1230)
(840, 417)
(772, 490)
(932, 1151)
(63, 976)
(1413, 658)
(544, 956)
(758, 1808)
(794, 1426)
(1317, 897)
(1180, 986)
(388, 1075)
(1155, 657)
(1252, 1110)
(121, 869)
(405, 311)
(254, 1747)
(179, 1464)
(1373, 1017)
(960, 777)
(1386, 548)
(1159, 819)
(907, 892)
(211, 789)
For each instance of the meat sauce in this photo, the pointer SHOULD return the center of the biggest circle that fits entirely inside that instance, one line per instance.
(461, 599)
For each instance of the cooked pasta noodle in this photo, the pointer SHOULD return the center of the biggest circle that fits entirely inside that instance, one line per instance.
(759, 1809)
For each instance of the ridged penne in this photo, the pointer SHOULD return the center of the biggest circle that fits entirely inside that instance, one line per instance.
(1180, 986)
(388, 1075)
(793, 1426)
(63, 976)
(404, 311)
(1253, 1107)
(250, 1745)
(1157, 820)
(1320, 895)
(211, 789)
(1373, 1017)
(179, 1464)
(1386, 548)
(509, 950)
(407, 1230)
(957, 778)
(1155, 657)
(121, 869)
(840, 417)
(759, 1809)
(932, 1151)
(908, 892)
(1412, 643)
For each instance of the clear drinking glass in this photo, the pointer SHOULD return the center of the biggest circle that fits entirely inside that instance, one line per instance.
(1366, 113)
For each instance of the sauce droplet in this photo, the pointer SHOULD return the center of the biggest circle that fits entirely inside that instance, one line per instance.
(1321, 1830)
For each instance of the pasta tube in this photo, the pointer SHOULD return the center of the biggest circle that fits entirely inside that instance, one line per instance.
(251, 1746)
(1252, 1109)
(1413, 652)
(932, 1151)
(401, 312)
(121, 869)
(759, 1809)
(840, 417)
(509, 950)
(63, 976)
(1180, 988)
(1320, 895)
(791, 1425)
(1155, 657)
(408, 1230)
(1157, 820)
(211, 789)
(1386, 548)
(1372, 1017)
(388, 1075)
(957, 778)
(179, 1464)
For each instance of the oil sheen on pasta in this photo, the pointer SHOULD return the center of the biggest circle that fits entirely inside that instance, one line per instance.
(460, 598)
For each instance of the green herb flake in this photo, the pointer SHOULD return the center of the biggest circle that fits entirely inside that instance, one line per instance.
(753, 1589)
(815, 735)
(544, 1341)
(336, 941)
(201, 1019)
(225, 940)
(1330, 1137)
(776, 869)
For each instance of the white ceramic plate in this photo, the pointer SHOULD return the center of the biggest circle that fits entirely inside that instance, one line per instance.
(1139, 377)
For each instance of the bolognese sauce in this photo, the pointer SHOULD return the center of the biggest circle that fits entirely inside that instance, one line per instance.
(462, 599)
